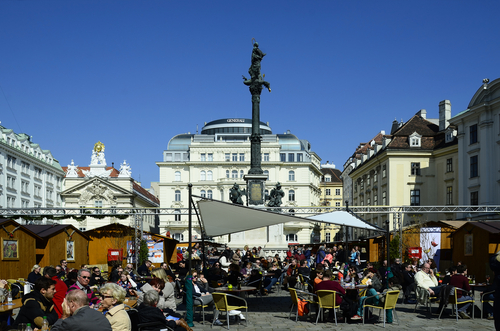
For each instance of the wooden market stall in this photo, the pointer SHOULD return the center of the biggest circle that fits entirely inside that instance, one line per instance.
(115, 237)
(18, 253)
(474, 243)
(60, 241)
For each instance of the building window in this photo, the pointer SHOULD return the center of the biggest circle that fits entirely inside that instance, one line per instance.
(227, 157)
(473, 166)
(25, 167)
(415, 197)
(210, 157)
(291, 157)
(282, 157)
(291, 195)
(266, 172)
(328, 191)
(449, 195)
(203, 157)
(227, 173)
(234, 174)
(266, 157)
(375, 177)
(25, 186)
(449, 165)
(292, 237)
(177, 157)
(368, 201)
(384, 172)
(11, 161)
(473, 134)
(178, 236)
(235, 157)
(11, 182)
(98, 206)
(300, 157)
(242, 157)
(355, 187)
(375, 199)
(177, 176)
(415, 140)
(38, 191)
(203, 194)
(328, 179)
(210, 194)
(38, 173)
(210, 175)
(474, 198)
(337, 191)
(241, 173)
(168, 157)
(177, 215)
(362, 184)
(337, 204)
(291, 175)
(203, 175)
(327, 237)
(415, 168)
(384, 198)
(368, 180)
(11, 202)
(177, 195)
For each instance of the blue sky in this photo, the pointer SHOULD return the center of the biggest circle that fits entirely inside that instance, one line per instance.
(133, 74)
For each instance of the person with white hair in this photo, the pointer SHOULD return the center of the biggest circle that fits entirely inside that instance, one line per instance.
(112, 297)
(149, 313)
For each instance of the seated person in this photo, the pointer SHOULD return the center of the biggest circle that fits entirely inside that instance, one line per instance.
(352, 275)
(376, 299)
(304, 269)
(234, 275)
(38, 304)
(459, 280)
(148, 313)
(112, 297)
(408, 281)
(96, 278)
(127, 283)
(271, 280)
(451, 271)
(367, 277)
(291, 274)
(426, 281)
(71, 278)
(255, 279)
(143, 270)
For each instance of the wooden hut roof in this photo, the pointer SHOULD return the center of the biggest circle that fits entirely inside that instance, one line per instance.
(489, 226)
(8, 222)
(46, 231)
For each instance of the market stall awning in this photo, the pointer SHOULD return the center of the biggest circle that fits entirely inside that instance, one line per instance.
(220, 218)
(344, 218)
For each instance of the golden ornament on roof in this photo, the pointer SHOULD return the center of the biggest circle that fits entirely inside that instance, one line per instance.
(99, 147)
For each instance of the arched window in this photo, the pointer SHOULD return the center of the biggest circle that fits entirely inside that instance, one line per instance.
(209, 175)
(203, 194)
(227, 173)
(291, 195)
(177, 195)
(266, 172)
(177, 176)
(234, 174)
(202, 175)
(291, 175)
(241, 173)
(209, 194)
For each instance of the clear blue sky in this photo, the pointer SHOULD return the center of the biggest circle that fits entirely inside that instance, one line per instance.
(133, 74)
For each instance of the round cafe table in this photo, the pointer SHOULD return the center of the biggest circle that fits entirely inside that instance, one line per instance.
(6, 308)
(235, 289)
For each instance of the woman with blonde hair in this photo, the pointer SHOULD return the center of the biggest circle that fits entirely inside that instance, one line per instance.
(168, 292)
(112, 297)
(34, 274)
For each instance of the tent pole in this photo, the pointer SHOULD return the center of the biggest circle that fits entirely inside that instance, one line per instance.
(189, 277)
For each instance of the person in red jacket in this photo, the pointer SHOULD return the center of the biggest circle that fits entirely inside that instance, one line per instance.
(459, 280)
(61, 289)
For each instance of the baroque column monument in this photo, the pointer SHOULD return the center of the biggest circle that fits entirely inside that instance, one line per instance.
(255, 178)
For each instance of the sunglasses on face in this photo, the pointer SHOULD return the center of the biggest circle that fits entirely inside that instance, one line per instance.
(105, 296)
(85, 277)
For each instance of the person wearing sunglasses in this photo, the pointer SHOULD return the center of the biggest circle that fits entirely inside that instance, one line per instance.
(82, 283)
(112, 297)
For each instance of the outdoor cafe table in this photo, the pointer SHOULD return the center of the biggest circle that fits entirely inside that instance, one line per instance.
(235, 290)
(478, 287)
(5, 308)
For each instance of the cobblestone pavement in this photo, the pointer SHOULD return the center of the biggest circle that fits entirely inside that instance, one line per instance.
(272, 313)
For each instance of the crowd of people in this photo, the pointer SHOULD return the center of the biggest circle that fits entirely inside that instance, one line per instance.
(71, 299)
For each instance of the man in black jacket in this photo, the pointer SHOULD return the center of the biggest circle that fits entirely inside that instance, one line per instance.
(148, 313)
(408, 281)
(38, 304)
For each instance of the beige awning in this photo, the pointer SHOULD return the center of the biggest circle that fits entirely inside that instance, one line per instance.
(220, 218)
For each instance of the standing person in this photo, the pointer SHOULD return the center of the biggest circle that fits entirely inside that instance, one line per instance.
(82, 283)
(60, 289)
(78, 316)
(112, 297)
(64, 267)
(236, 258)
(320, 254)
(38, 304)
(341, 255)
(261, 252)
(35, 274)
(459, 280)
(307, 255)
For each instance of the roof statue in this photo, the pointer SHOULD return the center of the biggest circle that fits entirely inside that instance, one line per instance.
(72, 170)
(125, 170)
(97, 163)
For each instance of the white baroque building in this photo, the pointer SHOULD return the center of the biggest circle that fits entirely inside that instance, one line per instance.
(218, 157)
(30, 177)
(479, 149)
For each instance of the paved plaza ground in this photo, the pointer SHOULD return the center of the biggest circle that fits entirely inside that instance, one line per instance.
(272, 313)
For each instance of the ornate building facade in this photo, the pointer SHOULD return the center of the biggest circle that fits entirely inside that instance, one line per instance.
(331, 196)
(99, 186)
(30, 177)
(218, 157)
(415, 165)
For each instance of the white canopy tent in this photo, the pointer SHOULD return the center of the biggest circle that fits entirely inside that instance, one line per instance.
(220, 218)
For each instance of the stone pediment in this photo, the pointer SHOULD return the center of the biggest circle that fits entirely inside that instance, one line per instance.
(96, 188)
